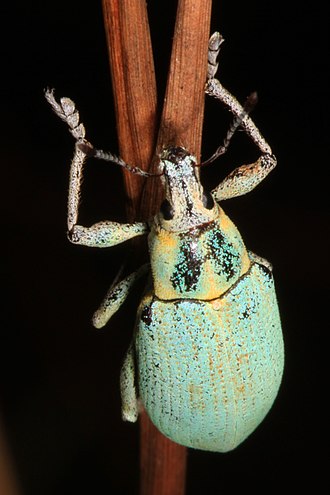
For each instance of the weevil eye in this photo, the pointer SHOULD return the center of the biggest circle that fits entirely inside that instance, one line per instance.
(166, 210)
(208, 201)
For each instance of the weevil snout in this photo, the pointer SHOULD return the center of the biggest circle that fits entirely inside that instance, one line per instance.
(185, 204)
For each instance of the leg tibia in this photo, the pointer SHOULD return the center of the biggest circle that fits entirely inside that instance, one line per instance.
(66, 110)
(128, 388)
(215, 88)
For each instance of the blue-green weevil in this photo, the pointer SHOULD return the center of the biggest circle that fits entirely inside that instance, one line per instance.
(208, 345)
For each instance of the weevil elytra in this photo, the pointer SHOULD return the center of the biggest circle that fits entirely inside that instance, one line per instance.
(208, 345)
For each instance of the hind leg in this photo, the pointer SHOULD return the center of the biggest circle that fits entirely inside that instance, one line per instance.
(129, 407)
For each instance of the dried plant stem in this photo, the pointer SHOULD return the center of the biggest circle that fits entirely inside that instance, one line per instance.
(163, 462)
(134, 88)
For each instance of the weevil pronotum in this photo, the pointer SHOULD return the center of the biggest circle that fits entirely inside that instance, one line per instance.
(208, 345)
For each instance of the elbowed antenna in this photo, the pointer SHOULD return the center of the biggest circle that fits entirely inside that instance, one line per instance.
(249, 105)
(89, 150)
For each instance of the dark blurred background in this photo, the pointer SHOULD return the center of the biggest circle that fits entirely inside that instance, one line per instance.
(60, 406)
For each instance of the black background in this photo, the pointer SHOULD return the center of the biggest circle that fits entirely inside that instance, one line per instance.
(59, 377)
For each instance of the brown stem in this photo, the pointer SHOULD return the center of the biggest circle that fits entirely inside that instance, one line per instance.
(134, 88)
(8, 480)
(183, 110)
(163, 463)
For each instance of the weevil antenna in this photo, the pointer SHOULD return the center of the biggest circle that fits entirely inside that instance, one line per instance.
(89, 150)
(249, 105)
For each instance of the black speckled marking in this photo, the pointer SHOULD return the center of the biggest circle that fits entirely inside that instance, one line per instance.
(146, 315)
(191, 257)
(248, 310)
(246, 314)
(222, 252)
(188, 269)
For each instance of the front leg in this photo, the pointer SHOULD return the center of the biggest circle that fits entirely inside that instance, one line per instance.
(106, 234)
(102, 234)
(214, 88)
(66, 110)
(245, 178)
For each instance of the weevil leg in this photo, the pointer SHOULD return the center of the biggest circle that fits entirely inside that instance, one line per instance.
(66, 110)
(247, 177)
(244, 178)
(106, 234)
(214, 88)
(102, 234)
(116, 296)
(128, 387)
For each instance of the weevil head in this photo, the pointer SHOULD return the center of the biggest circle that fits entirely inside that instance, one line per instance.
(186, 204)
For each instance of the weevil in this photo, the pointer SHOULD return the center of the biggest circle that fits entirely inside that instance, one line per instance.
(206, 358)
